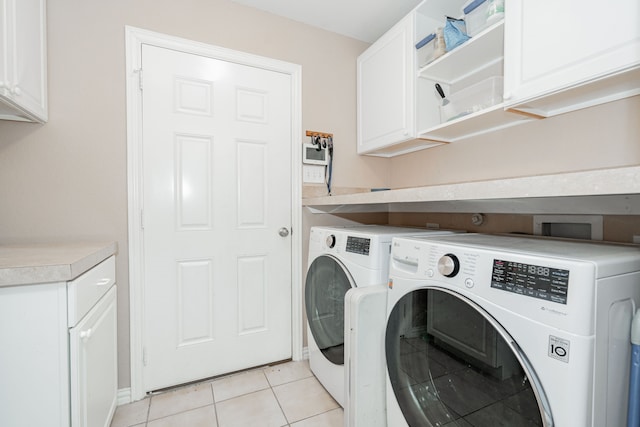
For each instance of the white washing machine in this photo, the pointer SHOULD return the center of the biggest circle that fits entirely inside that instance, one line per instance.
(487, 330)
(342, 258)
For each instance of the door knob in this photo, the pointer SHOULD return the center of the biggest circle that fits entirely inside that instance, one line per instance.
(284, 232)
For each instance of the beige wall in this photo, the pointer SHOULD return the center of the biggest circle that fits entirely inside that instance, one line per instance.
(67, 181)
(604, 136)
(615, 228)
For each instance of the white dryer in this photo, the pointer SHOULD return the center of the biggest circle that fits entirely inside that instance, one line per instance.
(504, 330)
(342, 258)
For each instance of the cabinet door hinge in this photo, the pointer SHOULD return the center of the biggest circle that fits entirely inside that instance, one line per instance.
(144, 356)
(142, 219)
(140, 78)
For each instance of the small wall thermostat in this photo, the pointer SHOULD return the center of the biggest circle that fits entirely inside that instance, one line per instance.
(313, 154)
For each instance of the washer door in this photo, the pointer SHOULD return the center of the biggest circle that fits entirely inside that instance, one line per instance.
(450, 363)
(327, 283)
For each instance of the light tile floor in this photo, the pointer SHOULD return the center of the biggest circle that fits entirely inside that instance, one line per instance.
(282, 395)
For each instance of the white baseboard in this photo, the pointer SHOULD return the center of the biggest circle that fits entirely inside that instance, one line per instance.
(124, 396)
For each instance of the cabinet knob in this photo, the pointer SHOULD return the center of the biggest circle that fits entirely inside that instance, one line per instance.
(16, 90)
(85, 335)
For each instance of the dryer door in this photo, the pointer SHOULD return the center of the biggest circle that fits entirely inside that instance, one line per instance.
(327, 283)
(449, 363)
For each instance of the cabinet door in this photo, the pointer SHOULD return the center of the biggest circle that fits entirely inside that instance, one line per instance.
(386, 80)
(34, 364)
(581, 47)
(24, 59)
(4, 48)
(93, 367)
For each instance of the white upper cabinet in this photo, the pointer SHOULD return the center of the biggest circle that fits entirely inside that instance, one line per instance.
(23, 60)
(565, 55)
(385, 88)
(544, 58)
(399, 110)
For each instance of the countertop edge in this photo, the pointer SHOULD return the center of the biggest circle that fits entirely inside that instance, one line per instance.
(61, 263)
(623, 180)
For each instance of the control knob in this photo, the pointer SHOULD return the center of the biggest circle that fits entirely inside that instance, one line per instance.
(448, 265)
(331, 241)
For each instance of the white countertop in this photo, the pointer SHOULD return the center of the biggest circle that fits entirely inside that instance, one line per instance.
(604, 184)
(48, 263)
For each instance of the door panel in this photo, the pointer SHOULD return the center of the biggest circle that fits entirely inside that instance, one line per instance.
(437, 377)
(217, 188)
(327, 283)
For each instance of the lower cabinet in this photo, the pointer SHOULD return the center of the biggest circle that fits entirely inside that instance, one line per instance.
(58, 363)
(93, 365)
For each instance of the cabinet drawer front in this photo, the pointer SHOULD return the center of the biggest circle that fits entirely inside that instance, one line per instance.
(85, 291)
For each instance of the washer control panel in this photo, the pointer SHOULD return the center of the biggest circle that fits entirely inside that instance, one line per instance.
(535, 281)
(448, 265)
(358, 245)
(554, 282)
(467, 267)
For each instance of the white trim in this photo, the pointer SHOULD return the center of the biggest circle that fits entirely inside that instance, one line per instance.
(123, 396)
(135, 38)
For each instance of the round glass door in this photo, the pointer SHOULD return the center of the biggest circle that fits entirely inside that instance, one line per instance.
(452, 365)
(327, 283)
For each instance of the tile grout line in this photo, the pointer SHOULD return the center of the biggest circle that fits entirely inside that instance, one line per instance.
(210, 383)
(279, 404)
(215, 405)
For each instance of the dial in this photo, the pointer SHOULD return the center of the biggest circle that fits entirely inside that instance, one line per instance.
(448, 265)
(331, 241)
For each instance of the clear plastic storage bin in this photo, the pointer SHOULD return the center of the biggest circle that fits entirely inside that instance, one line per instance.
(477, 97)
(480, 14)
(430, 48)
(426, 50)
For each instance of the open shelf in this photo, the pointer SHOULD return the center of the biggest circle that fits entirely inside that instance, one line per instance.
(478, 53)
(478, 123)
(478, 58)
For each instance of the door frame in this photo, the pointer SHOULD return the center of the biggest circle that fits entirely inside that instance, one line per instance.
(134, 39)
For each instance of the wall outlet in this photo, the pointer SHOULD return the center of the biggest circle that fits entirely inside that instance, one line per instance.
(313, 174)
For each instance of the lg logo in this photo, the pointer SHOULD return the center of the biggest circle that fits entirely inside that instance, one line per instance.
(559, 348)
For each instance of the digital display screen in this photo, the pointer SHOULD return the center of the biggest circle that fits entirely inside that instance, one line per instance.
(358, 245)
(551, 284)
(314, 154)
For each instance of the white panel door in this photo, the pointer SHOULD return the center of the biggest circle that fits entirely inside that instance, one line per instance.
(217, 192)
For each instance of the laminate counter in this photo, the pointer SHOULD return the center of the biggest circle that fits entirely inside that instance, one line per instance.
(27, 264)
(607, 191)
